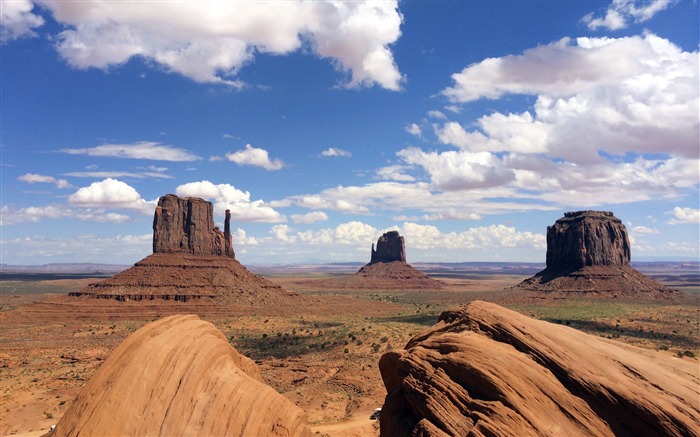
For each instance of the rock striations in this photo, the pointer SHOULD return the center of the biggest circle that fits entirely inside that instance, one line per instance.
(179, 376)
(191, 259)
(186, 225)
(486, 370)
(589, 252)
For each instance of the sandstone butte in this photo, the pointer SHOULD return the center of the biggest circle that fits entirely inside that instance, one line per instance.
(179, 376)
(191, 259)
(488, 371)
(388, 268)
(589, 252)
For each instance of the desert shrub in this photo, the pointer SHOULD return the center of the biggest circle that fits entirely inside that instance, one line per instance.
(384, 339)
(346, 350)
(688, 354)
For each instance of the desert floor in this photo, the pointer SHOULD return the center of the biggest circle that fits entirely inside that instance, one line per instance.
(323, 357)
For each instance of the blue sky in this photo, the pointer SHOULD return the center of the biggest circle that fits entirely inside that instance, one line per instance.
(469, 126)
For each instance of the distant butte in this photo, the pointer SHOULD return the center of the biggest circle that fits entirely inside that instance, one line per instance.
(191, 259)
(387, 267)
(589, 252)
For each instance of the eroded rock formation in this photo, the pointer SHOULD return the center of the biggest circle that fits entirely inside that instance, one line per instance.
(388, 269)
(390, 247)
(589, 251)
(186, 225)
(179, 376)
(486, 370)
(587, 238)
(191, 259)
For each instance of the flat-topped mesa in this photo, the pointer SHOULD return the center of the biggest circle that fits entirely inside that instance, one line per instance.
(587, 238)
(390, 248)
(186, 225)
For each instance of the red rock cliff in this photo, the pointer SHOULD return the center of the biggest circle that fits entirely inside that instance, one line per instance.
(587, 238)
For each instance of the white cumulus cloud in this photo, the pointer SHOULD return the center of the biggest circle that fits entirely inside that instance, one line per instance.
(635, 94)
(414, 130)
(256, 157)
(17, 19)
(454, 170)
(212, 41)
(685, 215)
(111, 193)
(225, 196)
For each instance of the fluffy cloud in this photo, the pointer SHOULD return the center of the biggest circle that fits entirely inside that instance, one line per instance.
(17, 19)
(614, 119)
(685, 215)
(332, 151)
(32, 178)
(311, 217)
(227, 196)
(485, 237)
(111, 193)
(459, 170)
(628, 94)
(620, 11)
(427, 237)
(414, 130)
(138, 150)
(255, 157)
(211, 42)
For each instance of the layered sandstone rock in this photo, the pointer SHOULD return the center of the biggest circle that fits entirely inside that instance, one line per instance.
(587, 238)
(179, 376)
(390, 247)
(589, 252)
(186, 225)
(486, 370)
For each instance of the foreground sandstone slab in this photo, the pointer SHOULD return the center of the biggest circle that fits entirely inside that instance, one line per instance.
(179, 376)
(487, 370)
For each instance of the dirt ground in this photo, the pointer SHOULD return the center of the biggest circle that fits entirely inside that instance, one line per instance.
(323, 356)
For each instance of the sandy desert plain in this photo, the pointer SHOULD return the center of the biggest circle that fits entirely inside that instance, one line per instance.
(323, 357)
